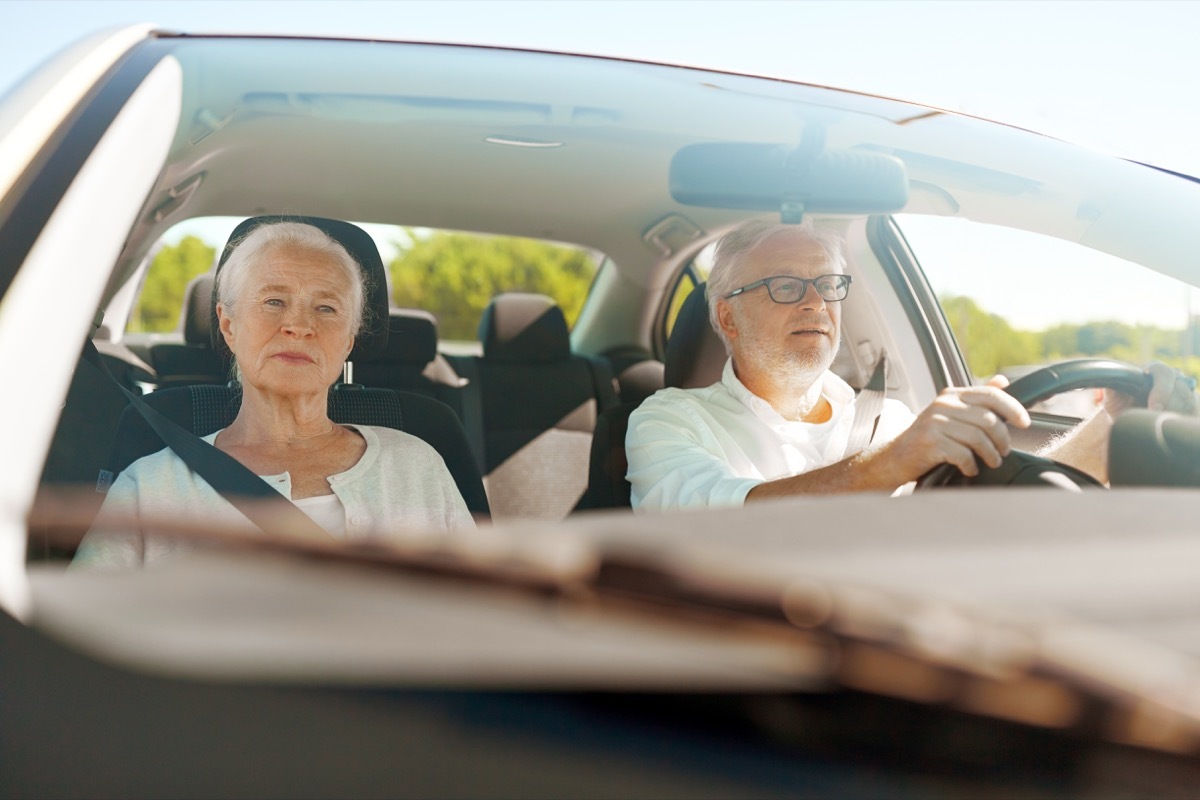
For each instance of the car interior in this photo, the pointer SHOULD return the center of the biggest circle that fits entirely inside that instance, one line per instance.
(534, 409)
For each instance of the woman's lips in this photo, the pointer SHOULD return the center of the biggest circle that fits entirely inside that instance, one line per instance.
(293, 357)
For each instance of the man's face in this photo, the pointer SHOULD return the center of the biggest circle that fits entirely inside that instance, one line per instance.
(795, 341)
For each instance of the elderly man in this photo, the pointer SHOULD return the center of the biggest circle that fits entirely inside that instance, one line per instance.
(779, 421)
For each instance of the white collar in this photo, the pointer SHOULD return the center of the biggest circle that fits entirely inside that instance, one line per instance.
(835, 390)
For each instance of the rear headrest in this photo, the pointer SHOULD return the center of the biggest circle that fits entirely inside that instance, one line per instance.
(524, 328)
(196, 299)
(412, 338)
(372, 338)
(695, 354)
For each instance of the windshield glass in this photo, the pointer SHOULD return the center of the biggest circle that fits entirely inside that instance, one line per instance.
(1017, 300)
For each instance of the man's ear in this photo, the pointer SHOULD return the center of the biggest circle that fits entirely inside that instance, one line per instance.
(225, 323)
(725, 319)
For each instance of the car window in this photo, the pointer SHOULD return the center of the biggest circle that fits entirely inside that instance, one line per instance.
(1017, 300)
(179, 259)
(692, 275)
(454, 275)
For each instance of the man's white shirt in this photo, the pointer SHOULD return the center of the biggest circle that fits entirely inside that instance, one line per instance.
(701, 448)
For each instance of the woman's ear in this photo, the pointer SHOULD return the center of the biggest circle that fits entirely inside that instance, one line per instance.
(225, 323)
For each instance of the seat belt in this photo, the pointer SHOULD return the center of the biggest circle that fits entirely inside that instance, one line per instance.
(245, 491)
(868, 406)
(602, 383)
(472, 408)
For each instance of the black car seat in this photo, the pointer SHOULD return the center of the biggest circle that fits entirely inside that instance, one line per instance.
(194, 361)
(203, 409)
(695, 357)
(411, 362)
(537, 405)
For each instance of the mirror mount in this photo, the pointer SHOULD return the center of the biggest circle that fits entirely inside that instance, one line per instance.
(791, 211)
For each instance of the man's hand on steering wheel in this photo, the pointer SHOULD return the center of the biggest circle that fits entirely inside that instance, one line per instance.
(962, 424)
(1159, 387)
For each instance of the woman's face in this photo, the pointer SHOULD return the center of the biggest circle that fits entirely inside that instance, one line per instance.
(291, 333)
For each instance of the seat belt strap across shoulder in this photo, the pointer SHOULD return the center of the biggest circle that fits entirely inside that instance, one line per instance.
(868, 407)
(246, 491)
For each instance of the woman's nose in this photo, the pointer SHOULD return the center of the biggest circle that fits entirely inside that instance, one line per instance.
(298, 320)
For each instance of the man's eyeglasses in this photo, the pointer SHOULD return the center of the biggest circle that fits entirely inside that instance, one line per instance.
(787, 289)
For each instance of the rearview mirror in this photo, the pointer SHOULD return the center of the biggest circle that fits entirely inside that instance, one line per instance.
(775, 177)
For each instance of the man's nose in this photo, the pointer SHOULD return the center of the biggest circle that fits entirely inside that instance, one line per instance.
(812, 298)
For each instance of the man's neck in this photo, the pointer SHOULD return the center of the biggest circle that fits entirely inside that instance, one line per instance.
(795, 399)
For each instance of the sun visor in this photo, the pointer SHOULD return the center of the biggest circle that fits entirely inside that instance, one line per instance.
(783, 178)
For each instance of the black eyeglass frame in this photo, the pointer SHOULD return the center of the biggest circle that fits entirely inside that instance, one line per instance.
(844, 285)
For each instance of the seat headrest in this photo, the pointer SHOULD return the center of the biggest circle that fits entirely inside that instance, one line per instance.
(373, 336)
(412, 338)
(695, 354)
(524, 328)
(196, 299)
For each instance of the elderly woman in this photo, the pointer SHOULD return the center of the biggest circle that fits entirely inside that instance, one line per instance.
(290, 302)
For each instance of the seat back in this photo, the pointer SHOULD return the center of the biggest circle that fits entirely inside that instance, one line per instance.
(695, 357)
(538, 404)
(194, 361)
(411, 361)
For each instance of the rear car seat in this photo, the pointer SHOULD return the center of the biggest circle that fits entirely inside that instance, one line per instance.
(537, 407)
(411, 362)
(695, 358)
(194, 361)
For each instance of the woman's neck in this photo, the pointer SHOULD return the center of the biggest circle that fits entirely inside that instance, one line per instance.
(278, 420)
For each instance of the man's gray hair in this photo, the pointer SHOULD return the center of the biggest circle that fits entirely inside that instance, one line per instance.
(231, 281)
(732, 248)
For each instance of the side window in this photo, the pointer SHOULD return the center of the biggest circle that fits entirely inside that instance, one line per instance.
(186, 250)
(160, 301)
(1017, 300)
(692, 276)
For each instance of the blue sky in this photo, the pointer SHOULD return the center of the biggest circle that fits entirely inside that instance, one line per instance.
(1115, 75)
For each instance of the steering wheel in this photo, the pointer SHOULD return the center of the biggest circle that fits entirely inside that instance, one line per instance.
(1021, 468)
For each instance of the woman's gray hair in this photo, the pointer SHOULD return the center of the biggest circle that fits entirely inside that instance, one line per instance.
(247, 253)
(732, 248)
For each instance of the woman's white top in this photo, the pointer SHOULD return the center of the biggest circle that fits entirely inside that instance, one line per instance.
(398, 490)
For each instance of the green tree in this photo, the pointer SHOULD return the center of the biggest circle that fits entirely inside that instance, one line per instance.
(161, 298)
(988, 342)
(455, 275)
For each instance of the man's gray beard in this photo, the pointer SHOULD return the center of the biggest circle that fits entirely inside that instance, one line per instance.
(797, 371)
